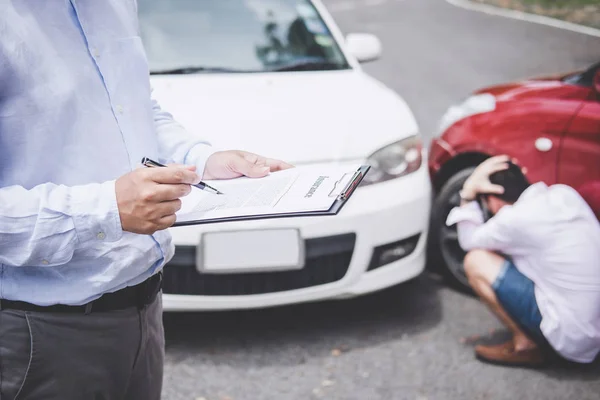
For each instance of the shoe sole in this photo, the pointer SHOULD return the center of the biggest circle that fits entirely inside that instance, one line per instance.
(511, 364)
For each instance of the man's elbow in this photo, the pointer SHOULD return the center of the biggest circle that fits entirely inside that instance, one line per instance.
(468, 243)
(466, 246)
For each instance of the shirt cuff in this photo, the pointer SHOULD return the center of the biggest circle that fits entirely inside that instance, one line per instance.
(468, 212)
(95, 212)
(198, 155)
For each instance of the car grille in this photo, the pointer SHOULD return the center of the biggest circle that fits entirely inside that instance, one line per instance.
(327, 261)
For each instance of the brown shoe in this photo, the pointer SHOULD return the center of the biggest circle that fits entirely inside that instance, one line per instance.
(505, 354)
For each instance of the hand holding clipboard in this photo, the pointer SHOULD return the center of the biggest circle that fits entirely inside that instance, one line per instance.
(301, 191)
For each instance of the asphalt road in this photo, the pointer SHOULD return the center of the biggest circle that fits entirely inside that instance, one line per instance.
(435, 54)
(412, 341)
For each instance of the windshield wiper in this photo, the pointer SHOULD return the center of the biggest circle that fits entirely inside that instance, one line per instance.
(194, 70)
(308, 65)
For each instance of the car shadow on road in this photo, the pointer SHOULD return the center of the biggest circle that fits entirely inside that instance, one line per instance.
(293, 333)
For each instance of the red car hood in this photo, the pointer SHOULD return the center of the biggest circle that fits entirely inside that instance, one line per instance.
(537, 88)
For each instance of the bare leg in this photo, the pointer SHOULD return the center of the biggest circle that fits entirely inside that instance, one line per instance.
(482, 268)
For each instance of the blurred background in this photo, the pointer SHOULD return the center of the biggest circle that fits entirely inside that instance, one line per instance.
(380, 310)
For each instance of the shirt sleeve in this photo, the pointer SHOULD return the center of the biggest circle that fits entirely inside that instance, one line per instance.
(176, 144)
(501, 233)
(44, 226)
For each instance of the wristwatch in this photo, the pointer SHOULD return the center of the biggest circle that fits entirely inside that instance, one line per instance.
(463, 197)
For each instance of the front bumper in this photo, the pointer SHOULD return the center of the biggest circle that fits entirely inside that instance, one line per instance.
(339, 253)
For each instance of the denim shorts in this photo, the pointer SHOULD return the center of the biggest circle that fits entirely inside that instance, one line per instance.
(515, 293)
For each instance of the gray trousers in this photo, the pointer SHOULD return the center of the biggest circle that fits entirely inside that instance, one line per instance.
(115, 355)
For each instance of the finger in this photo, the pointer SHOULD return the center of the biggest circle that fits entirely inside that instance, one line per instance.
(491, 167)
(278, 165)
(498, 167)
(166, 208)
(494, 161)
(241, 165)
(483, 167)
(255, 159)
(166, 222)
(165, 192)
(499, 158)
(172, 175)
(495, 189)
(188, 167)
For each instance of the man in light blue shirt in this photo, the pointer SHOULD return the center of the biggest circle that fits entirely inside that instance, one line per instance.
(82, 226)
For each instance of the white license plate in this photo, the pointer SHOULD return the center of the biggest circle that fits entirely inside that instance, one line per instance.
(250, 251)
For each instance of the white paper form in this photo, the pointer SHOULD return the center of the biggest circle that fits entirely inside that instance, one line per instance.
(306, 188)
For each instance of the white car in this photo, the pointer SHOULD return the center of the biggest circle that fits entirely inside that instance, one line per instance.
(276, 77)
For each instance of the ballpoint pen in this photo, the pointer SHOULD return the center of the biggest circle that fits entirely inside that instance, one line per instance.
(203, 186)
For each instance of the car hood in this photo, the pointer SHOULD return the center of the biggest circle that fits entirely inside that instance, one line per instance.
(299, 117)
(537, 88)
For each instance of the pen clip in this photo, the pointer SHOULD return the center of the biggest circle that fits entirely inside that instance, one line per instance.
(147, 162)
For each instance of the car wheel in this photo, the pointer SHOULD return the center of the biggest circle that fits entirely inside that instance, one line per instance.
(444, 250)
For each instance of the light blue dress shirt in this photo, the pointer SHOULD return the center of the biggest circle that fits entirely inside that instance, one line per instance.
(75, 114)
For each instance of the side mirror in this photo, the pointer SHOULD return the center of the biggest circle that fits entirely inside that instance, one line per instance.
(364, 47)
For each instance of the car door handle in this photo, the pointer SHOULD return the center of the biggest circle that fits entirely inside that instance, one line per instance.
(543, 144)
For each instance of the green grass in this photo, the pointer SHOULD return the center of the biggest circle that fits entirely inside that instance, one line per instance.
(562, 3)
(583, 12)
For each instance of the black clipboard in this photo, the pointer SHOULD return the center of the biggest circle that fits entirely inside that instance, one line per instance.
(335, 208)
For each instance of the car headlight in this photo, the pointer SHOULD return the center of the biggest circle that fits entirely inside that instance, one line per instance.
(395, 160)
(476, 104)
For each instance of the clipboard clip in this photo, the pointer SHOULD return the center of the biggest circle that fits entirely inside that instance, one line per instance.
(334, 192)
(356, 178)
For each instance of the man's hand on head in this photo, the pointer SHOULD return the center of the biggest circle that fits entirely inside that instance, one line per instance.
(235, 163)
(479, 181)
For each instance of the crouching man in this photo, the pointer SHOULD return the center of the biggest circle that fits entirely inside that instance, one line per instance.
(533, 256)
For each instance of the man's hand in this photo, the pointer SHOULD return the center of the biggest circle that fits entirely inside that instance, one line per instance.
(236, 163)
(479, 181)
(148, 198)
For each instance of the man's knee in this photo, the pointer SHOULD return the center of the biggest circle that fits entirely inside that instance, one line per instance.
(474, 261)
(482, 264)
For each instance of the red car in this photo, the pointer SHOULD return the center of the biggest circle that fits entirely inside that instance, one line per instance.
(551, 125)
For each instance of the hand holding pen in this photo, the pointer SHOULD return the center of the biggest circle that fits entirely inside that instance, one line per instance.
(149, 198)
(201, 185)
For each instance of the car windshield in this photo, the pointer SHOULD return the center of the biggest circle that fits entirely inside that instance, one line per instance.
(585, 78)
(192, 36)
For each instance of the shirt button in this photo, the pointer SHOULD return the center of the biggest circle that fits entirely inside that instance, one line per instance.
(120, 109)
(100, 235)
(45, 262)
(96, 53)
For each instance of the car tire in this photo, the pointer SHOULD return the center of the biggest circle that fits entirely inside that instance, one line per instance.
(445, 253)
